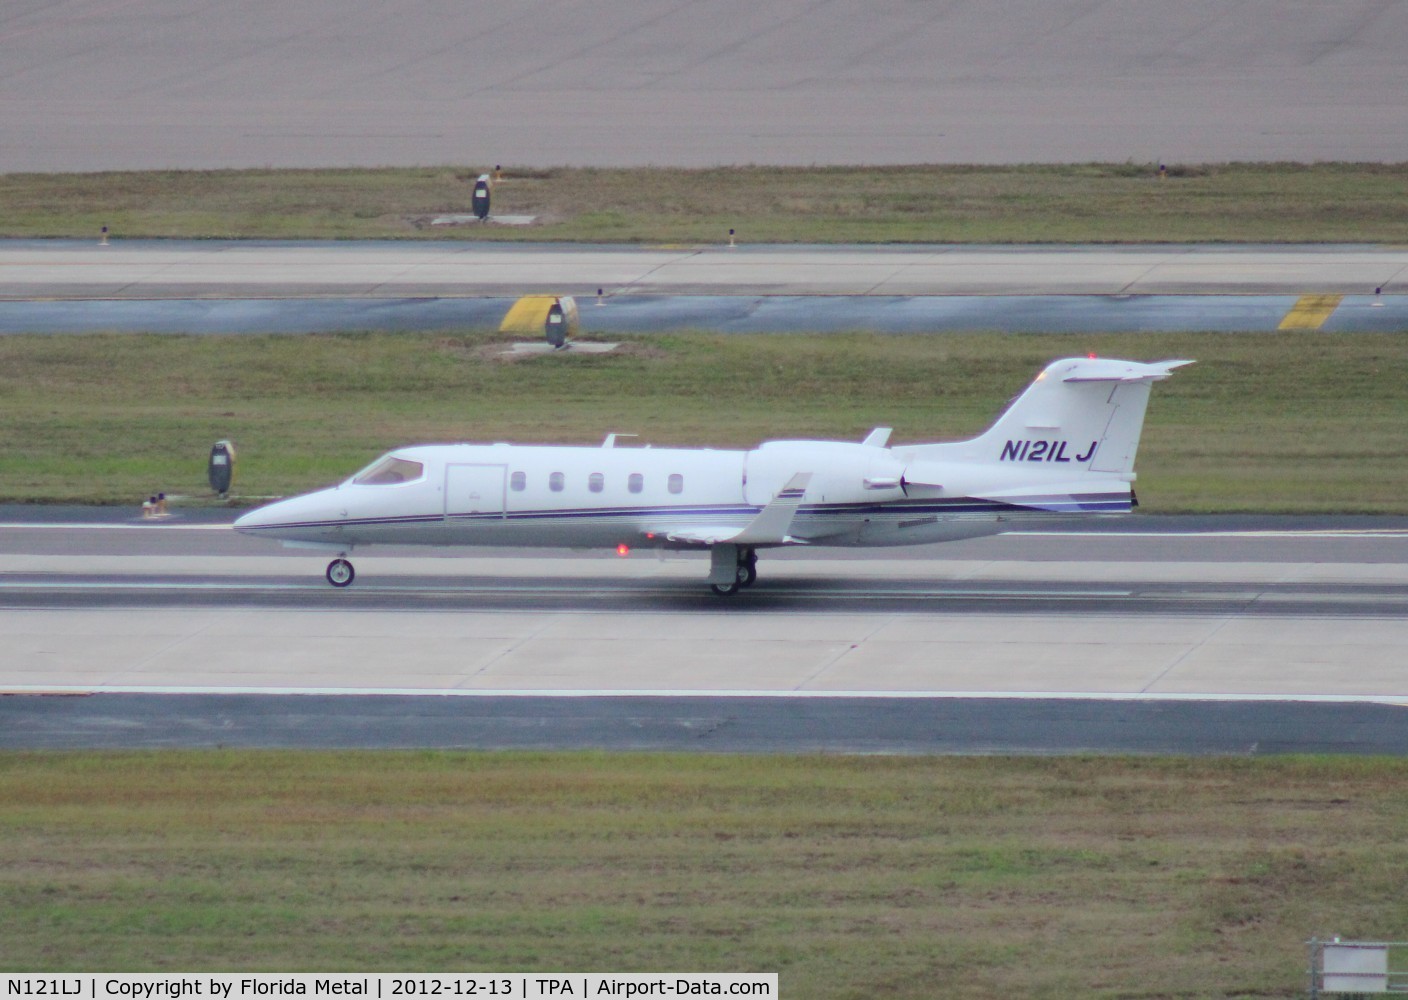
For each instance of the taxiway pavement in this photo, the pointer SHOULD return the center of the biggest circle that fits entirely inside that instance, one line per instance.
(147, 269)
(238, 287)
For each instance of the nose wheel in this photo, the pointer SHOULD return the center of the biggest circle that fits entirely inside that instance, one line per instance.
(340, 573)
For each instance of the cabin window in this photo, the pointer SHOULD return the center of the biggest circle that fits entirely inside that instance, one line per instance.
(675, 483)
(635, 482)
(595, 482)
(555, 482)
(390, 470)
(518, 482)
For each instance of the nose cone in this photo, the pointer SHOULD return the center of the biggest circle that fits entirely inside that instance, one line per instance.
(310, 516)
(259, 518)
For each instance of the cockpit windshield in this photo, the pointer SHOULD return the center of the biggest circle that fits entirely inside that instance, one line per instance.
(388, 471)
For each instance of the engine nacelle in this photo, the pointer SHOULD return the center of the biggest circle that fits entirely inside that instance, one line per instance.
(841, 472)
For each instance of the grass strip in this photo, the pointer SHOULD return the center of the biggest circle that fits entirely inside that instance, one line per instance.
(1097, 202)
(1288, 422)
(850, 876)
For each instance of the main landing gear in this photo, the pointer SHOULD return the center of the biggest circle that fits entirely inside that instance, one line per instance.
(738, 562)
(340, 572)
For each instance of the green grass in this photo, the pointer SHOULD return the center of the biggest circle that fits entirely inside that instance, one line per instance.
(850, 876)
(1264, 422)
(1238, 202)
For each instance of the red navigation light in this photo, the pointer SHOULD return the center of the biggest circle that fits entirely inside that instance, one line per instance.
(623, 549)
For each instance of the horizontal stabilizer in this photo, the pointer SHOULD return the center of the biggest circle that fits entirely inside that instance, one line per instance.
(922, 474)
(1111, 370)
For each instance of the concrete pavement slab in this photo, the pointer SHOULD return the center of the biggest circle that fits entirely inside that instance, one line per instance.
(1056, 630)
(1289, 669)
(152, 269)
(687, 628)
(656, 665)
(1014, 652)
(95, 86)
(1013, 666)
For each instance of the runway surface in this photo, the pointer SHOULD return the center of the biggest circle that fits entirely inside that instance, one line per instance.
(122, 84)
(235, 287)
(1218, 635)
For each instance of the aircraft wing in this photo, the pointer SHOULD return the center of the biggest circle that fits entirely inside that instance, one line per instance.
(769, 527)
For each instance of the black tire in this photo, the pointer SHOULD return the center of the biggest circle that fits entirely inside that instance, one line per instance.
(724, 589)
(340, 573)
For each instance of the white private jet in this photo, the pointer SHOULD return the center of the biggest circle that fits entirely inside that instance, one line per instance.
(1065, 447)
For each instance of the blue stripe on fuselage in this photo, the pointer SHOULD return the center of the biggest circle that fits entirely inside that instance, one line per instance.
(1078, 503)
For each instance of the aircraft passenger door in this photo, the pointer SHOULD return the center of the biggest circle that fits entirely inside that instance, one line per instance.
(474, 489)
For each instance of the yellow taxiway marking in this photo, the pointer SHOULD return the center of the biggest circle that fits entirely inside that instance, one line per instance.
(1310, 312)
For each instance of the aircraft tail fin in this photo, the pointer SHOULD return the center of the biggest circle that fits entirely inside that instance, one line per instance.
(1079, 415)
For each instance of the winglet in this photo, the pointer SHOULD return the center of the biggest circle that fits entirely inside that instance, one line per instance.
(879, 437)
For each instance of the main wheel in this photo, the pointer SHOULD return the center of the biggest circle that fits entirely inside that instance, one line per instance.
(724, 589)
(748, 568)
(341, 573)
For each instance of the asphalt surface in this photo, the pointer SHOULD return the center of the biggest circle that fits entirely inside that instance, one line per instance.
(716, 313)
(708, 725)
(122, 84)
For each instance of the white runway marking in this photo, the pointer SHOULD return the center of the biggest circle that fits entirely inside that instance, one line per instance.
(39, 690)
